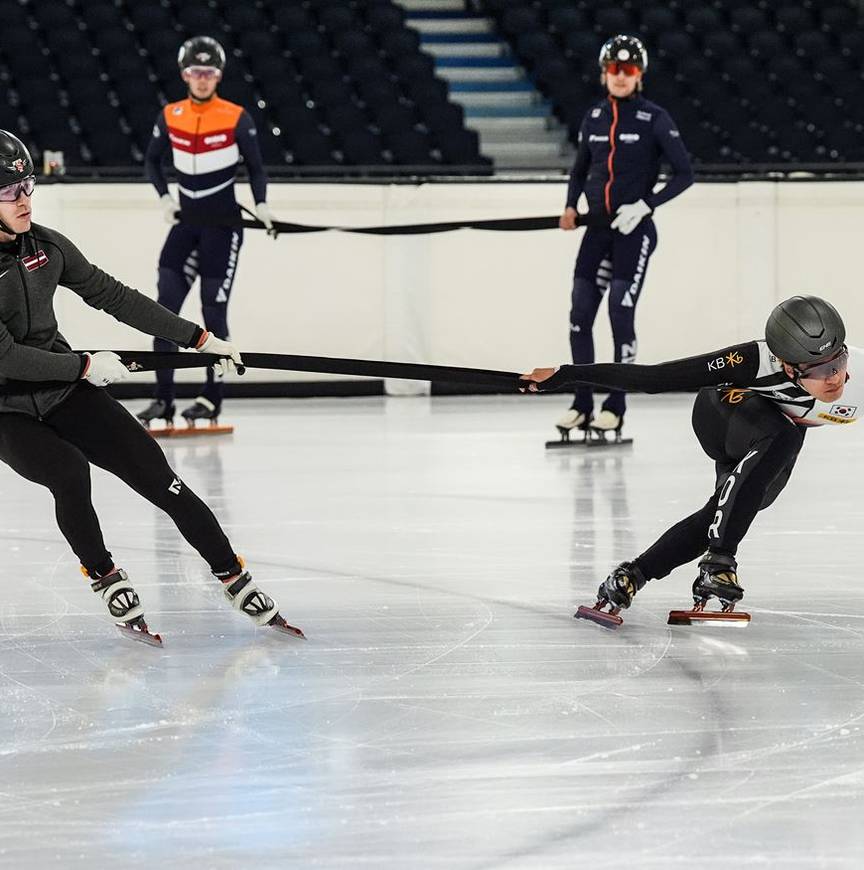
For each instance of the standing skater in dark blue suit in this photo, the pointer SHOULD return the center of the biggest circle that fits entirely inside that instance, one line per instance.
(622, 142)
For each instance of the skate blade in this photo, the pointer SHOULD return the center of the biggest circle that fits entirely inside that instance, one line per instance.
(603, 441)
(705, 617)
(594, 438)
(601, 617)
(565, 441)
(139, 635)
(161, 432)
(289, 629)
(566, 445)
(192, 431)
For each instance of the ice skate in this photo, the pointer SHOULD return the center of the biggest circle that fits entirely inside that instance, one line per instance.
(202, 410)
(718, 578)
(123, 605)
(572, 421)
(245, 596)
(616, 593)
(605, 430)
(158, 409)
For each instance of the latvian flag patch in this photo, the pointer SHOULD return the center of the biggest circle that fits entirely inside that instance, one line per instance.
(35, 261)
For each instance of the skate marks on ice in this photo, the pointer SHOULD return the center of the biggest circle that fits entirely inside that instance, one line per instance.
(592, 793)
(744, 774)
(541, 790)
(447, 710)
(417, 715)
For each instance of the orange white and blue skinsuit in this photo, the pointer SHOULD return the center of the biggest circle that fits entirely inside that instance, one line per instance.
(207, 141)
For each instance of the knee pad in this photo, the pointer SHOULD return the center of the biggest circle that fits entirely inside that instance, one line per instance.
(584, 303)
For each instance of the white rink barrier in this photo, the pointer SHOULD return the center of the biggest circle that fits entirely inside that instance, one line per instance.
(500, 300)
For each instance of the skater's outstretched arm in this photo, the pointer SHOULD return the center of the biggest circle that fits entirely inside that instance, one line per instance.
(100, 290)
(737, 365)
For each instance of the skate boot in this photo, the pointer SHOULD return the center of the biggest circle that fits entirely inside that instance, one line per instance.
(123, 604)
(240, 589)
(718, 578)
(572, 421)
(201, 409)
(158, 409)
(608, 422)
(616, 593)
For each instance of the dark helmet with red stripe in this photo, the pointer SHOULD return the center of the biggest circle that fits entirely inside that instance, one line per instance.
(624, 49)
(201, 51)
(15, 160)
(805, 329)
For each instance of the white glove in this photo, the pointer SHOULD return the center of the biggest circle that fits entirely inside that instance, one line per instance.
(262, 212)
(628, 216)
(169, 208)
(231, 358)
(103, 368)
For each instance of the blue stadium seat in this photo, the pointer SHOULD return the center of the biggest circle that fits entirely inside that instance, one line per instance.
(460, 147)
(399, 43)
(343, 118)
(614, 19)
(564, 19)
(312, 149)
(657, 20)
(410, 148)
(522, 19)
(362, 148)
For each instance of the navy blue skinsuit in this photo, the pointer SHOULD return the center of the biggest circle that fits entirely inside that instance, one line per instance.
(207, 140)
(621, 146)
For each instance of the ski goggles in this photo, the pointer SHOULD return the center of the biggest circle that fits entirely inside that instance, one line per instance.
(825, 370)
(11, 192)
(203, 73)
(629, 69)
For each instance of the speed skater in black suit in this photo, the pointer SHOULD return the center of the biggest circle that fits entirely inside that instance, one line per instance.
(756, 401)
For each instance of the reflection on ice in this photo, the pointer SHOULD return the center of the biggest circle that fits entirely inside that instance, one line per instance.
(447, 710)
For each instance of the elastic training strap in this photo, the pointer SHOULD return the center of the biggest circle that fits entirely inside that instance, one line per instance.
(523, 224)
(148, 361)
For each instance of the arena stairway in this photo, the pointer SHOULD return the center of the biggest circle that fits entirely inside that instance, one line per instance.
(515, 124)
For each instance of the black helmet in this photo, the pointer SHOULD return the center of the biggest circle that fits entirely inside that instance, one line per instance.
(15, 160)
(624, 49)
(201, 51)
(805, 329)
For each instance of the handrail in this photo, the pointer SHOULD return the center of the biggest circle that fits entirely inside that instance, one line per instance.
(706, 172)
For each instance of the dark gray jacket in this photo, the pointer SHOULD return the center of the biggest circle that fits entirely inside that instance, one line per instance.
(31, 347)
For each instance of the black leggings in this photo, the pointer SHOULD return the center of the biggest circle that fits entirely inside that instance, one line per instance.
(91, 427)
(754, 447)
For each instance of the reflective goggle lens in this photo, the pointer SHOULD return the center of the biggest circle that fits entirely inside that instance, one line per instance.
(202, 72)
(629, 69)
(11, 192)
(828, 369)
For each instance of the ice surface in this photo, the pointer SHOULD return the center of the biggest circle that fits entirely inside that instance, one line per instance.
(447, 710)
